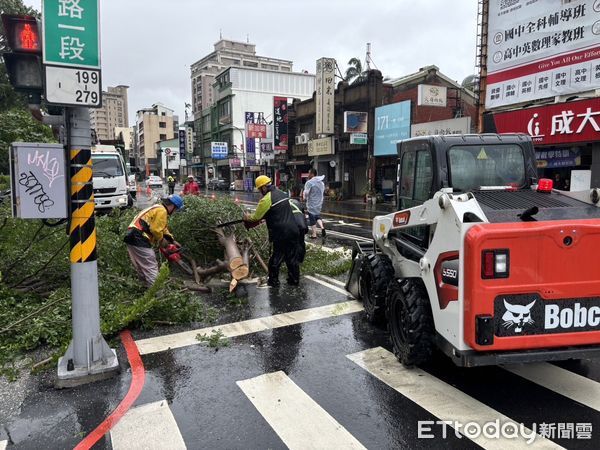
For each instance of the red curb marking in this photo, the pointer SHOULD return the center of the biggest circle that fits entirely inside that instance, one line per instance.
(137, 383)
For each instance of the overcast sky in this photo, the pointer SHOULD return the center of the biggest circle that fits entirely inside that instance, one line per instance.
(149, 45)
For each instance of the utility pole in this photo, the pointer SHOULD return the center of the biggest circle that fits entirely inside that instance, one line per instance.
(88, 358)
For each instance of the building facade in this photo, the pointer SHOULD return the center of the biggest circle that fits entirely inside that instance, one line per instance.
(240, 91)
(153, 125)
(226, 54)
(550, 92)
(113, 113)
(357, 165)
(436, 105)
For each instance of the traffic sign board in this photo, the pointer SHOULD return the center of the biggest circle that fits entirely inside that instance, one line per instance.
(73, 86)
(71, 33)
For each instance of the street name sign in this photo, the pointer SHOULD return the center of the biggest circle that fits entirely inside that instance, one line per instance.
(71, 52)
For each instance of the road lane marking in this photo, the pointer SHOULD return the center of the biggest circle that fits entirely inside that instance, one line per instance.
(330, 280)
(330, 286)
(147, 426)
(353, 237)
(561, 381)
(187, 338)
(440, 399)
(3, 445)
(296, 418)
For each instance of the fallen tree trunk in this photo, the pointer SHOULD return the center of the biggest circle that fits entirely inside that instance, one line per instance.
(236, 265)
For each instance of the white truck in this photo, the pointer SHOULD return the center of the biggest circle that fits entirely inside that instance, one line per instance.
(110, 178)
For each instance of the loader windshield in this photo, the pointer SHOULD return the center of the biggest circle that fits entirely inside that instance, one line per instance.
(473, 167)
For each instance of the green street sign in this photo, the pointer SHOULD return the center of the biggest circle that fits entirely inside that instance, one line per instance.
(71, 33)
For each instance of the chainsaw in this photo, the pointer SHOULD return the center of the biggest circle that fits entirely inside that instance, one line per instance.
(173, 254)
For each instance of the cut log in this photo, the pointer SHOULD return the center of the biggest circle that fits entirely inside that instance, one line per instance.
(236, 264)
(221, 266)
(196, 287)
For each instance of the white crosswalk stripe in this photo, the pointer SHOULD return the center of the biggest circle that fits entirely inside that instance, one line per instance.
(440, 399)
(561, 381)
(3, 444)
(149, 426)
(296, 418)
(330, 280)
(186, 338)
(324, 283)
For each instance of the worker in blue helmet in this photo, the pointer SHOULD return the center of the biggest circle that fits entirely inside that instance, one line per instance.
(147, 230)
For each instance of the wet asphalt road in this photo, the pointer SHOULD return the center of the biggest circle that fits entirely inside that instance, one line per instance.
(209, 409)
(198, 389)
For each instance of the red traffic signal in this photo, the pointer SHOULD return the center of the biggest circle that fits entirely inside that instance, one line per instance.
(22, 33)
(23, 62)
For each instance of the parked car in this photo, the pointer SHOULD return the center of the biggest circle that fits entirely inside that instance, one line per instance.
(218, 184)
(154, 181)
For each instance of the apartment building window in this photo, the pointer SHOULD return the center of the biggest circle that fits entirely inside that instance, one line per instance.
(225, 108)
(163, 137)
(162, 124)
(250, 64)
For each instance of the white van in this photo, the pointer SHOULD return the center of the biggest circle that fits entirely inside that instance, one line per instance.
(110, 178)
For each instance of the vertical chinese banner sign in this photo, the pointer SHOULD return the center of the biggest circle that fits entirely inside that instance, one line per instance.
(280, 124)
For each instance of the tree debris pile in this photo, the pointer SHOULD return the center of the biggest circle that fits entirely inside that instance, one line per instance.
(35, 298)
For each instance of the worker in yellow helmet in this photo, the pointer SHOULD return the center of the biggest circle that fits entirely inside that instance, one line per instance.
(275, 208)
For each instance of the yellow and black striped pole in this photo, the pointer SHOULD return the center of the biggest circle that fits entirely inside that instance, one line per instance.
(88, 357)
(82, 231)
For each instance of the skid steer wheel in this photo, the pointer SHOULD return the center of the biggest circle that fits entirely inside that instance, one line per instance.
(410, 321)
(376, 274)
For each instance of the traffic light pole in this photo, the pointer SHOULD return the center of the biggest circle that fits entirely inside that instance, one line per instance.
(88, 358)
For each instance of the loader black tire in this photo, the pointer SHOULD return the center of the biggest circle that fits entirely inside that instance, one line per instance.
(376, 274)
(410, 321)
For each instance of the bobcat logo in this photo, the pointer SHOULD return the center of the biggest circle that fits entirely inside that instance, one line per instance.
(517, 316)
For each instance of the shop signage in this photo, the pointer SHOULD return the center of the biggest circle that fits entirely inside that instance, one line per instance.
(431, 95)
(235, 162)
(552, 159)
(266, 147)
(358, 138)
(355, 122)
(325, 95)
(392, 124)
(553, 124)
(462, 125)
(318, 147)
(182, 142)
(539, 49)
(280, 123)
(218, 150)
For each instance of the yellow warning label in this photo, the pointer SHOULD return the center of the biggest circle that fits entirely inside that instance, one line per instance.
(482, 154)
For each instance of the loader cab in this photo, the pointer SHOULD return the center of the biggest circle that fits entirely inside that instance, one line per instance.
(465, 163)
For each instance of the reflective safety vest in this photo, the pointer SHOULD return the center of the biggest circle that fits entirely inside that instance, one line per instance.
(152, 223)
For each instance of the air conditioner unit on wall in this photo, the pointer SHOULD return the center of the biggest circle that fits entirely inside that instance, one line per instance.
(304, 137)
(298, 140)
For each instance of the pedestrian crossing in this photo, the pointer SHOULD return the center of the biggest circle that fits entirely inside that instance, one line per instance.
(561, 381)
(3, 445)
(296, 418)
(302, 420)
(440, 399)
(149, 426)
